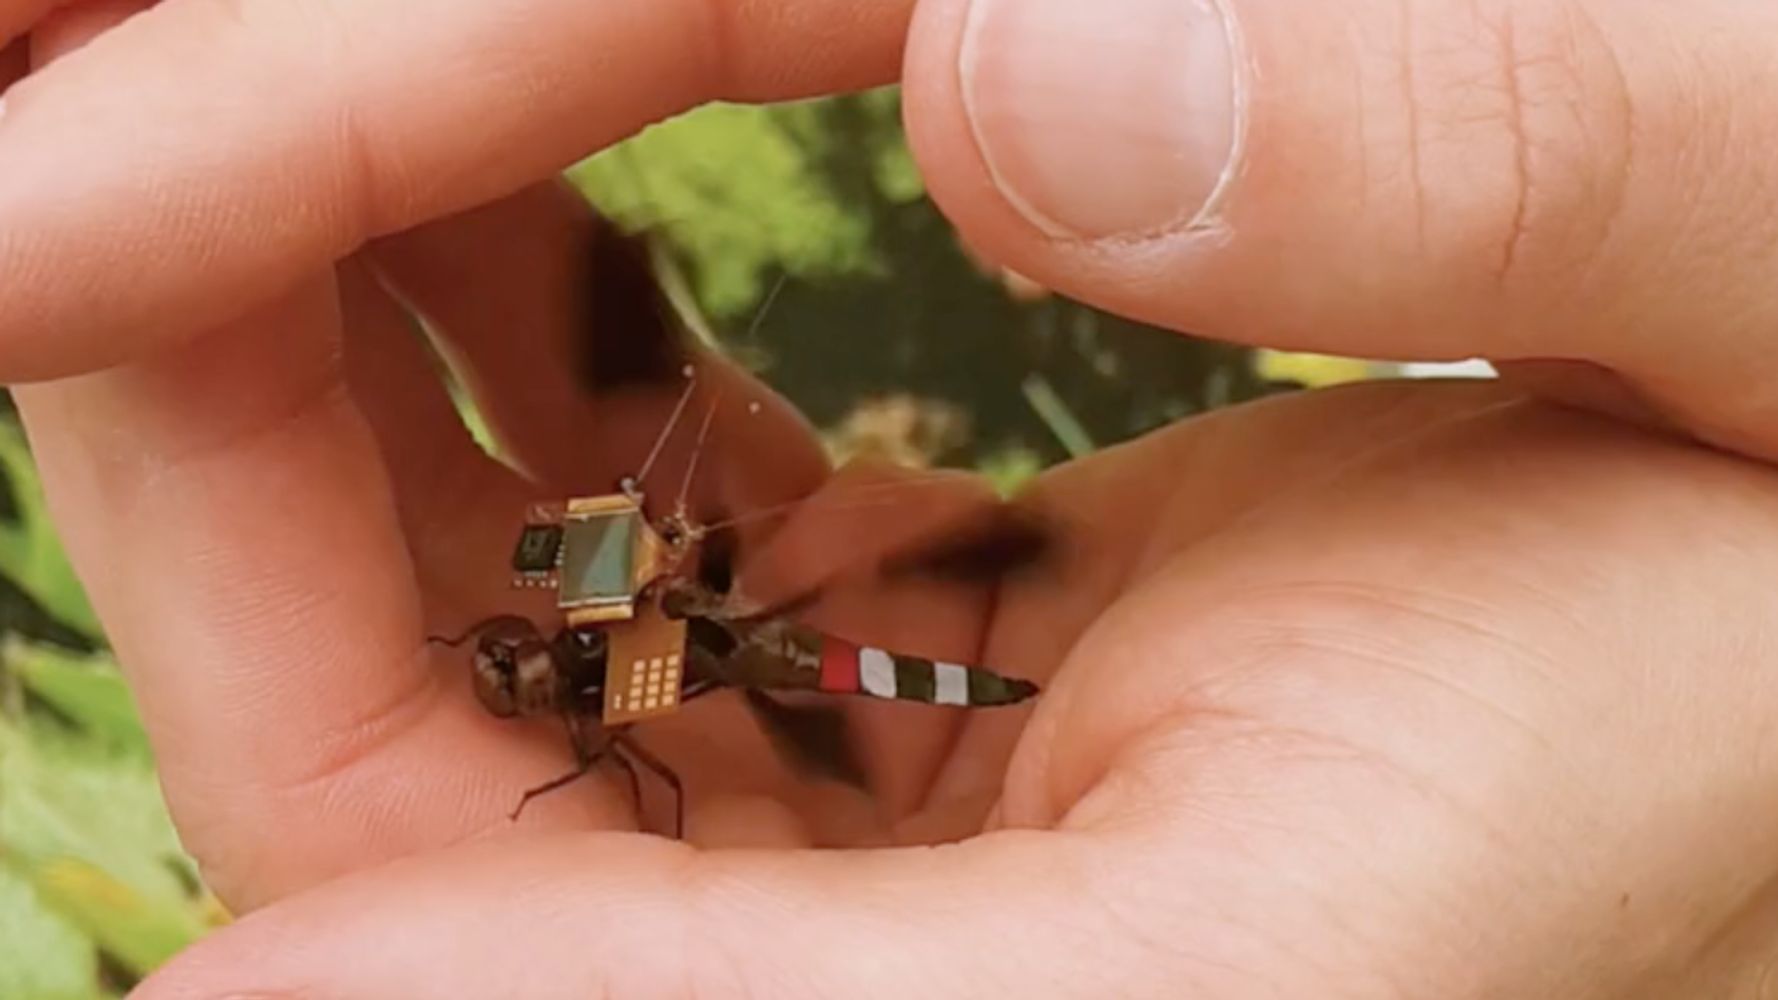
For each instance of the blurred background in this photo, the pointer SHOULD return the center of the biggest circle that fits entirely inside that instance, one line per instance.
(799, 238)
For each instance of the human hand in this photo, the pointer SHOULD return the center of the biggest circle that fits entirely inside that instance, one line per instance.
(1434, 702)
(1235, 916)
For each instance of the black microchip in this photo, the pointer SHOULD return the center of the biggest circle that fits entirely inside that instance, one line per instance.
(537, 549)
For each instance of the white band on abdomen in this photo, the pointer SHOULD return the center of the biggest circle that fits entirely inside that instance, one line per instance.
(876, 672)
(950, 684)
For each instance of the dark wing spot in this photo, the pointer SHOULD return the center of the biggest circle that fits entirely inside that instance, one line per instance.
(815, 740)
(629, 335)
(983, 549)
(711, 636)
(716, 560)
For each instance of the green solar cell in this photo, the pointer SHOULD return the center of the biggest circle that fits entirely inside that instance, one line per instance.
(598, 556)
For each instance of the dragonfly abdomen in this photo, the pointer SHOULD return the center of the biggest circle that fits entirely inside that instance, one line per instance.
(847, 668)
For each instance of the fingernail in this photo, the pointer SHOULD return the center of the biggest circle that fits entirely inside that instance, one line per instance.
(1102, 118)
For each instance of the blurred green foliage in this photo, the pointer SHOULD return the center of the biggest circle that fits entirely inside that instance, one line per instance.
(816, 208)
(39, 594)
(889, 333)
(94, 888)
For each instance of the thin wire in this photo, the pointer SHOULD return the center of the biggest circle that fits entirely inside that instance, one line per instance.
(759, 315)
(469, 633)
(439, 640)
(667, 431)
(697, 452)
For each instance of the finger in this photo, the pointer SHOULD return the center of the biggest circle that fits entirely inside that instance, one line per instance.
(1515, 179)
(227, 509)
(230, 515)
(197, 102)
(578, 916)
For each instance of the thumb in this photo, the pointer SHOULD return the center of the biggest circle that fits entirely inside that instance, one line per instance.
(565, 917)
(1513, 179)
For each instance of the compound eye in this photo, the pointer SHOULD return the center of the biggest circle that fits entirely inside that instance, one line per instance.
(493, 680)
(496, 649)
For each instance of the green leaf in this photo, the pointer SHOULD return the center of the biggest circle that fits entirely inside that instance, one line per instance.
(87, 827)
(88, 691)
(471, 415)
(1010, 470)
(138, 931)
(30, 553)
(739, 191)
(43, 955)
(1313, 370)
(896, 173)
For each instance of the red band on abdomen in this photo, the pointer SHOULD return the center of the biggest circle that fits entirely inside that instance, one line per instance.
(839, 666)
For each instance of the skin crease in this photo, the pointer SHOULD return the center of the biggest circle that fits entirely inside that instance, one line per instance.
(1452, 694)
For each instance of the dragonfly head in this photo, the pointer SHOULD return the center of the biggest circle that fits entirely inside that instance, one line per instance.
(515, 672)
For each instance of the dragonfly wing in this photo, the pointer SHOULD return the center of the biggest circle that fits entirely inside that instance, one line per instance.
(989, 546)
(815, 740)
(716, 560)
(984, 548)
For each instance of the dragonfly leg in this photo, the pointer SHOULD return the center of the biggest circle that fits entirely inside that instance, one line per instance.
(622, 743)
(693, 690)
(623, 761)
(512, 621)
(584, 761)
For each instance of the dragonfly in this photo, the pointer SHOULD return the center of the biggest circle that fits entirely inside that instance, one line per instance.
(649, 619)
